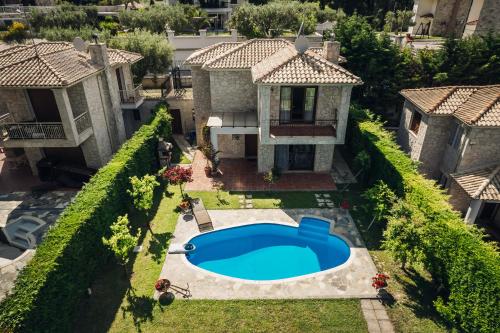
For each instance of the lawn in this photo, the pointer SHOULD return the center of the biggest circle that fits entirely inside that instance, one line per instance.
(117, 305)
(112, 308)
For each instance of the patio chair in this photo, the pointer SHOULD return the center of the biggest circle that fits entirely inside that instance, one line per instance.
(201, 215)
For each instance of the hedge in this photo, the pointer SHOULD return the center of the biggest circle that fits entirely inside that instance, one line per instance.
(454, 253)
(49, 288)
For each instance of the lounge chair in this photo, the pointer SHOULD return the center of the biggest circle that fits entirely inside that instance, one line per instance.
(201, 215)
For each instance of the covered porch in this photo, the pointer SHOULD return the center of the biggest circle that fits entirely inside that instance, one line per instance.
(238, 174)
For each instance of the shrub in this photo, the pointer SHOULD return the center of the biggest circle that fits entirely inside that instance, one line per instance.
(69, 34)
(155, 48)
(64, 16)
(424, 229)
(142, 192)
(17, 32)
(49, 288)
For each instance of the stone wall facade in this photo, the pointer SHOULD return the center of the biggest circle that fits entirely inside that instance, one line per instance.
(16, 102)
(434, 144)
(231, 145)
(459, 199)
(489, 18)
(323, 158)
(76, 95)
(409, 141)
(265, 158)
(482, 147)
(450, 17)
(201, 100)
(232, 91)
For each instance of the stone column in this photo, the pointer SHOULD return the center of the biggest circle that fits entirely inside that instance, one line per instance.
(343, 114)
(34, 155)
(473, 211)
(66, 114)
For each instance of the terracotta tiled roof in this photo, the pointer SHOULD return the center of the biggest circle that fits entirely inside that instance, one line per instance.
(247, 54)
(473, 105)
(52, 64)
(292, 67)
(205, 54)
(482, 184)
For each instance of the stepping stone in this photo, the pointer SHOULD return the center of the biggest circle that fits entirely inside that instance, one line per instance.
(241, 201)
(138, 249)
(320, 200)
(317, 195)
(321, 204)
(249, 205)
(326, 196)
(242, 206)
(330, 204)
(241, 197)
(248, 196)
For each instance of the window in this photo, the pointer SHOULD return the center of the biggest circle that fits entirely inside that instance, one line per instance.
(416, 119)
(297, 104)
(456, 136)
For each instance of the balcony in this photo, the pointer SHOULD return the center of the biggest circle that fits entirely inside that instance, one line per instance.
(82, 122)
(132, 98)
(323, 128)
(210, 4)
(31, 131)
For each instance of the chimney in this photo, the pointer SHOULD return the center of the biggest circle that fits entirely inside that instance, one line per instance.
(99, 54)
(331, 51)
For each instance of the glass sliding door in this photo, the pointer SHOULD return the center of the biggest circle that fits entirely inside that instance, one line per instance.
(294, 157)
(297, 104)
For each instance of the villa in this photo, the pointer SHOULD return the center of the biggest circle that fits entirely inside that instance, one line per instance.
(282, 104)
(454, 133)
(455, 17)
(64, 103)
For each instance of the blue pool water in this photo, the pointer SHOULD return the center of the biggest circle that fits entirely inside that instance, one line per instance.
(268, 251)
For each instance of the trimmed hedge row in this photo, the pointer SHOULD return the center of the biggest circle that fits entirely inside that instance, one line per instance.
(454, 253)
(49, 288)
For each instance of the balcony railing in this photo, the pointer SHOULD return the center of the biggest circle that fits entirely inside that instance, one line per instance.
(131, 96)
(323, 127)
(82, 122)
(6, 118)
(31, 131)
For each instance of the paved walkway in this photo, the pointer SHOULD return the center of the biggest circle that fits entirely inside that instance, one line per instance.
(352, 280)
(376, 317)
(241, 175)
(184, 146)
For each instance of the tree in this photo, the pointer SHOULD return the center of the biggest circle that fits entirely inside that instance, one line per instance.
(121, 242)
(380, 199)
(64, 16)
(17, 32)
(179, 176)
(155, 49)
(142, 192)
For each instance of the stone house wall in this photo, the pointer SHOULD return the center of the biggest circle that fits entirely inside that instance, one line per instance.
(459, 199)
(201, 99)
(489, 18)
(16, 102)
(434, 144)
(230, 147)
(76, 95)
(482, 147)
(450, 17)
(232, 91)
(410, 142)
(265, 158)
(323, 158)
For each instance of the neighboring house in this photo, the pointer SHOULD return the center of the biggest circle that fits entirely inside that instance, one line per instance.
(455, 17)
(219, 11)
(285, 105)
(64, 104)
(454, 132)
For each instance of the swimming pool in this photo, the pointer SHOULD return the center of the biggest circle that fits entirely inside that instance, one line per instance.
(269, 251)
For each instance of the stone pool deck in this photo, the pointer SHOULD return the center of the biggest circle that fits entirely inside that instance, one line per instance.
(351, 280)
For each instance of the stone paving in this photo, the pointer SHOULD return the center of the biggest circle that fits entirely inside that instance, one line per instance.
(353, 280)
(47, 206)
(376, 317)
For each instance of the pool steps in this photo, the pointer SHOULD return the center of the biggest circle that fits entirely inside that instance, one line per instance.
(314, 228)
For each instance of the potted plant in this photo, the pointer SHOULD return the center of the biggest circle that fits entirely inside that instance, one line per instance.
(162, 285)
(379, 281)
(184, 206)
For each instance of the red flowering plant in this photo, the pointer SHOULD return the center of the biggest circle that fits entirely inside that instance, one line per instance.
(162, 285)
(379, 281)
(345, 204)
(184, 205)
(179, 176)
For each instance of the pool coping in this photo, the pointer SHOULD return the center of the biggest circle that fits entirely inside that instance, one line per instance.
(296, 278)
(351, 279)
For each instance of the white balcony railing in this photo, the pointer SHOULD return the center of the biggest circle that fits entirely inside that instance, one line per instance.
(31, 131)
(131, 96)
(82, 122)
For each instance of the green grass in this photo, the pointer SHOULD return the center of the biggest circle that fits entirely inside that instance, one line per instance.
(112, 308)
(117, 305)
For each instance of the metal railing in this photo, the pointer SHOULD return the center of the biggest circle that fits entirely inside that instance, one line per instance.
(32, 131)
(6, 118)
(131, 96)
(82, 122)
(321, 127)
